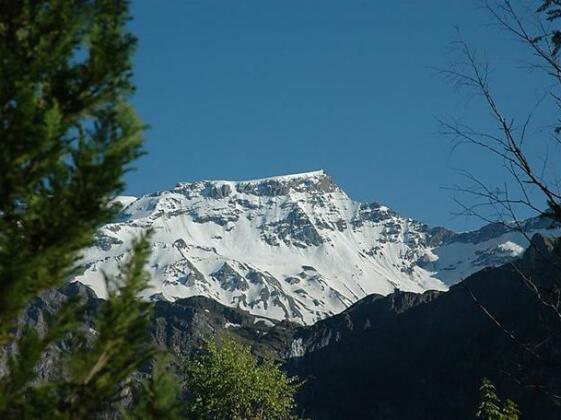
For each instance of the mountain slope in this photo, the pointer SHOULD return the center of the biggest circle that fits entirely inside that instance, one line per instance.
(294, 247)
(400, 356)
(409, 356)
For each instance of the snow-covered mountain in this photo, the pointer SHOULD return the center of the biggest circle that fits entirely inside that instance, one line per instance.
(291, 247)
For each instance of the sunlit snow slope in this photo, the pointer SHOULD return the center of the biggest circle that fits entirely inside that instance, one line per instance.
(291, 247)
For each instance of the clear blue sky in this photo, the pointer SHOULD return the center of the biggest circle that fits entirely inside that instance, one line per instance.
(253, 88)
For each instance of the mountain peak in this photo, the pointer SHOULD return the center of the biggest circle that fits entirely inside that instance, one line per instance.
(317, 181)
(289, 177)
(276, 178)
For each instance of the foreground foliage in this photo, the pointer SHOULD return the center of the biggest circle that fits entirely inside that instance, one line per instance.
(491, 408)
(67, 135)
(157, 397)
(227, 382)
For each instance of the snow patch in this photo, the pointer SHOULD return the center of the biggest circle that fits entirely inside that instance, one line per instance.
(512, 248)
(297, 348)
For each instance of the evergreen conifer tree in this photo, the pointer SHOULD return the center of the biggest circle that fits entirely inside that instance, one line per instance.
(510, 410)
(67, 136)
(489, 406)
(157, 398)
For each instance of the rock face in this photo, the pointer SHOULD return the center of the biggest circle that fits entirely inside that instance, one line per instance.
(294, 247)
(181, 327)
(37, 316)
